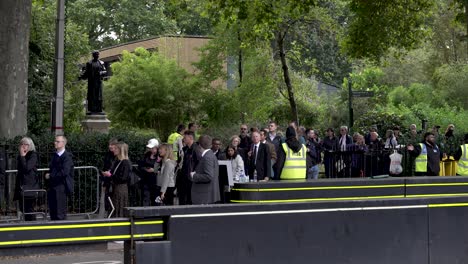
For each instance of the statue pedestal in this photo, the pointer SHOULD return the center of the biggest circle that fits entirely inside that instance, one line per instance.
(96, 123)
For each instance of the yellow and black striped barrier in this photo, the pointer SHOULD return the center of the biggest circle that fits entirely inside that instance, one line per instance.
(348, 189)
(64, 232)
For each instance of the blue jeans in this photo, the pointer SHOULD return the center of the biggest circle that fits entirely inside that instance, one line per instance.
(313, 172)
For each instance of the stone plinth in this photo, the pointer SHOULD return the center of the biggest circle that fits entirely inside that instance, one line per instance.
(96, 123)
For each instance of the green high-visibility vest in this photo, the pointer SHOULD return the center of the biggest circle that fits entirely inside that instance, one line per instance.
(463, 162)
(421, 160)
(295, 166)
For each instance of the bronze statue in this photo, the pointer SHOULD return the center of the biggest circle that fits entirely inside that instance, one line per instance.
(94, 72)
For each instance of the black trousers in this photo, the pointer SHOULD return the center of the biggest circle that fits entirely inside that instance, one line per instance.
(57, 199)
(169, 196)
(29, 203)
(148, 194)
(184, 191)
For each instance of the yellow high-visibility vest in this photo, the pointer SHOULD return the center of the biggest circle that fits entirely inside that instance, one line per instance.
(463, 162)
(421, 160)
(295, 165)
(172, 139)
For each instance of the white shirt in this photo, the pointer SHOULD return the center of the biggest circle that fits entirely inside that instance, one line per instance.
(60, 153)
(272, 136)
(256, 154)
(204, 152)
(343, 143)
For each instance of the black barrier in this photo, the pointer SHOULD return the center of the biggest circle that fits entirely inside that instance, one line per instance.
(71, 232)
(448, 234)
(312, 190)
(348, 189)
(373, 231)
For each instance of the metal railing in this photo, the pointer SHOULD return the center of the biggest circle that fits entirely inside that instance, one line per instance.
(84, 201)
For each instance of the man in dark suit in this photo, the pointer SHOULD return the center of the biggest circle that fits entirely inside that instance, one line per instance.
(259, 159)
(344, 163)
(245, 140)
(189, 161)
(216, 148)
(60, 178)
(205, 187)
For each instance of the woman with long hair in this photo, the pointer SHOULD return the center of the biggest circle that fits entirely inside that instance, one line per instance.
(166, 178)
(120, 172)
(27, 178)
(236, 162)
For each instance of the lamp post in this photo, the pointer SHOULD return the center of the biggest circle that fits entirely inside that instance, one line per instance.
(59, 69)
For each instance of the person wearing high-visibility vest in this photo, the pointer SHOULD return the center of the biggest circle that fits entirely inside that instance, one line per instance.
(292, 160)
(175, 140)
(462, 157)
(428, 156)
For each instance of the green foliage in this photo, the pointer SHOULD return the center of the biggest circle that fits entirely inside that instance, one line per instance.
(41, 66)
(188, 16)
(451, 82)
(415, 93)
(384, 120)
(380, 24)
(148, 90)
(109, 22)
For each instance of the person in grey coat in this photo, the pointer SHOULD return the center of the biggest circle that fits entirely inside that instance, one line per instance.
(166, 178)
(205, 187)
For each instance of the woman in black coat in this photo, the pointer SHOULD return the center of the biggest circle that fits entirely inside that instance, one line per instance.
(120, 174)
(27, 178)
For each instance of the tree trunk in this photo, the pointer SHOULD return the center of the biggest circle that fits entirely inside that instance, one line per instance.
(240, 56)
(287, 79)
(15, 18)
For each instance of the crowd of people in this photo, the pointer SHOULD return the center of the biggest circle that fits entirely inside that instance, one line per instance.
(187, 165)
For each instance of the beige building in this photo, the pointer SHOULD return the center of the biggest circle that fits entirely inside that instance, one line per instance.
(183, 49)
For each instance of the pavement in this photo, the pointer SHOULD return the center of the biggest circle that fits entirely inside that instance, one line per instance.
(113, 255)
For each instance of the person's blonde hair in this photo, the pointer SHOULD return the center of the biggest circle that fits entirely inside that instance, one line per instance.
(169, 152)
(123, 151)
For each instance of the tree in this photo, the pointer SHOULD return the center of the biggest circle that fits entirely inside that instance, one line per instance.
(41, 67)
(14, 31)
(378, 25)
(148, 90)
(109, 22)
(450, 82)
(266, 20)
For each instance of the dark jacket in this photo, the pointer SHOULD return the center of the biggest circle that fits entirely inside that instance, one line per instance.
(329, 144)
(190, 161)
(26, 178)
(245, 142)
(61, 171)
(434, 156)
(313, 154)
(276, 141)
(147, 178)
(121, 171)
(108, 160)
(349, 140)
(220, 155)
(262, 164)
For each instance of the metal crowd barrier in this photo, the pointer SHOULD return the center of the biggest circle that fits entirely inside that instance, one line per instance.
(370, 163)
(84, 201)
